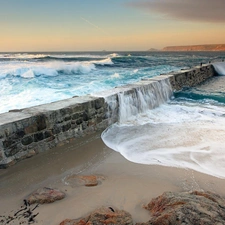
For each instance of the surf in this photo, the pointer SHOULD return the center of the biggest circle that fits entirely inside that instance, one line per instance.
(219, 68)
(176, 132)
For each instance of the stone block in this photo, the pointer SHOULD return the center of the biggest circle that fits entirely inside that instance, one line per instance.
(27, 140)
(41, 122)
(99, 103)
(65, 111)
(66, 127)
(91, 112)
(7, 132)
(31, 129)
(38, 137)
(8, 142)
(99, 119)
(75, 116)
(20, 133)
(85, 116)
(56, 129)
(73, 126)
(12, 150)
(67, 118)
(84, 125)
(49, 139)
(79, 121)
(48, 133)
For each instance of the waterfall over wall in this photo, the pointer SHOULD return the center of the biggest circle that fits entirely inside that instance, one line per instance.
(219, 68)
(143, 98)
(131, 100)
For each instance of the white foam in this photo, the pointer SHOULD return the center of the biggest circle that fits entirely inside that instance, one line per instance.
(219, 68)
(38, 56)
(29, 97)
(113, 55)
(22, 56)
(115, 75)
(32, 69)
(176, 135)
(28, 74)
(71, 68)
(106, 61)
(143, 99)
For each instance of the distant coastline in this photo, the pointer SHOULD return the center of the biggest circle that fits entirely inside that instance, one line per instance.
(214, 47)
(186, 48)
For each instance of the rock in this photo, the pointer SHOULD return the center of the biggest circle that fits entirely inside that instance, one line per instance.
(45, 195)
(103, 216)
(88, 181)
(188, 208)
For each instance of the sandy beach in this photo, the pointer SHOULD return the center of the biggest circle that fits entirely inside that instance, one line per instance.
(127, 185)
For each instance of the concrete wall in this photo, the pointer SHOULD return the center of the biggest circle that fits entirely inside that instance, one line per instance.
(26, 132)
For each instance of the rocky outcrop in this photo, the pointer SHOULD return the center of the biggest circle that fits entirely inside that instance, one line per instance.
(188, 208)
(103, 216)
(45, 195)
(216, 47)
(84, 180)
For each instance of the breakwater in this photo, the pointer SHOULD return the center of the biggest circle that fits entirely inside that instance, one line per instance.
(26, 132)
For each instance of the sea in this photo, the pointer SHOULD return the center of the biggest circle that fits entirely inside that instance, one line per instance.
(185, 131)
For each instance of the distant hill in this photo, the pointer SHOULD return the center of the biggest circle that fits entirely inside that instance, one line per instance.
(215, 47)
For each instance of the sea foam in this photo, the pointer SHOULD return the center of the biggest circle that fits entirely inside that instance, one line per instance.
(220, 68)
(177, 135)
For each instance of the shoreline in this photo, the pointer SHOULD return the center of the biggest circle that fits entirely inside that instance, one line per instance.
(127, 186)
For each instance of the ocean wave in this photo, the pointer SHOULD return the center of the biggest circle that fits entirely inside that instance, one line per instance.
(75, 68)
(51, 69)
(103, 62)
(21, 56)
(63, 57)
(113, 55)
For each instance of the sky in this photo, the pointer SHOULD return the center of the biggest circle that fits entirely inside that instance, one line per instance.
(111, 25)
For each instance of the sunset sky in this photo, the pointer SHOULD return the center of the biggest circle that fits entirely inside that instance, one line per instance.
(113, 25)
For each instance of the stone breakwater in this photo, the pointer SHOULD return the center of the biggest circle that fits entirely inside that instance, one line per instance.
(26, 132)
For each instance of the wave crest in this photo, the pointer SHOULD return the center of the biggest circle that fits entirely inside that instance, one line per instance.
(53, 69)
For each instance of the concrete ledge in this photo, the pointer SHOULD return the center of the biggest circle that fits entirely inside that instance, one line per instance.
(26, 132)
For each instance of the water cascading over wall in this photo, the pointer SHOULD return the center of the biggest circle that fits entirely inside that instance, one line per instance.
(131, 100)
(26, 132)
(219, 68)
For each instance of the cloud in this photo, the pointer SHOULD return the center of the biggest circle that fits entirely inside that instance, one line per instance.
(189, 10)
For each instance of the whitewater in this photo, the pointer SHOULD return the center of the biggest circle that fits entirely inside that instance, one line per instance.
(184, 129)
(29, 79)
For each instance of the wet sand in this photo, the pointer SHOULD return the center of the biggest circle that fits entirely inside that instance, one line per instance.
(127, 186)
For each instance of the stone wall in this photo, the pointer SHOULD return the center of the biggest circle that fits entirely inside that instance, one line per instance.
(191, 77)
(26, 132)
